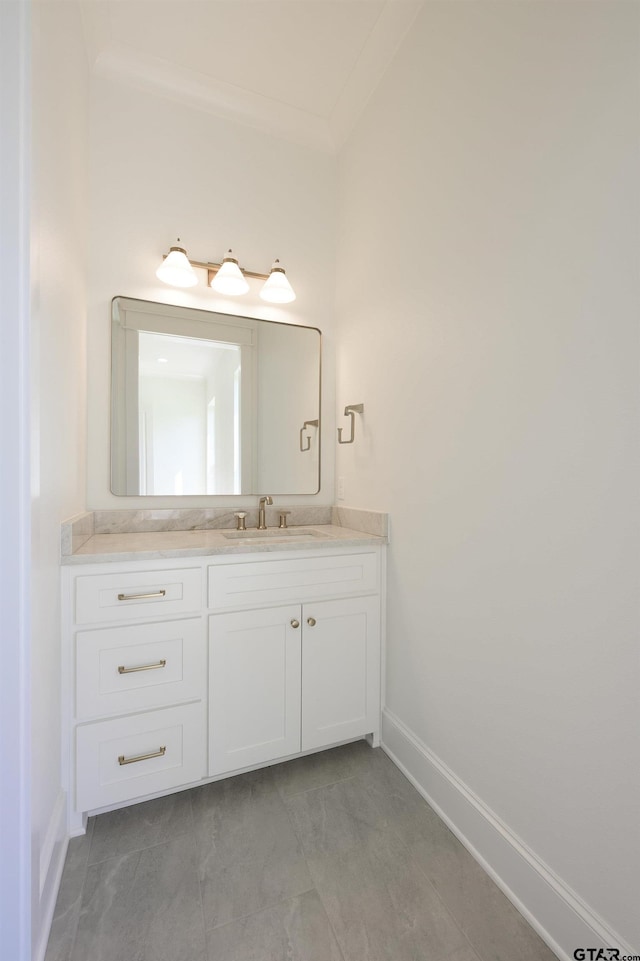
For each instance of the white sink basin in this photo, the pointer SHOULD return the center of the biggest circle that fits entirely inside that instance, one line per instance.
(273, 534)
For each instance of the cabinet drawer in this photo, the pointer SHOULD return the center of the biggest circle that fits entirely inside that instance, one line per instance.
(129, 757)
(125, 669)
(254, 583)
(108, 598)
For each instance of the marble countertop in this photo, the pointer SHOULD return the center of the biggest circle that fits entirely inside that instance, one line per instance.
(158, 545)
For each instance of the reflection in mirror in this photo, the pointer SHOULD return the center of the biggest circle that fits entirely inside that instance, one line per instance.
(208, 403)
(188, 391)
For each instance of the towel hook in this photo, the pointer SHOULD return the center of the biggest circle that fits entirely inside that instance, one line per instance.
(350, 411)
(307, 423)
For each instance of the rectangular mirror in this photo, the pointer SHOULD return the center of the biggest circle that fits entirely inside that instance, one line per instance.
(210, 403)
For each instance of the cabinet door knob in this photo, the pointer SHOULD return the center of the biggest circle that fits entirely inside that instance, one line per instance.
(311, 621)
(295, 623)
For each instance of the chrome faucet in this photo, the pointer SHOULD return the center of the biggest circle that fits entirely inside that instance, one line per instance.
(264, 501)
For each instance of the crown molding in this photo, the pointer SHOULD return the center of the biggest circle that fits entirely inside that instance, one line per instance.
(109, 57)
(390, 29)
(122, 63)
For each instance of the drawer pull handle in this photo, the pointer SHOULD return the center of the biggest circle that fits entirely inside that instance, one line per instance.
(141, 757)
(144, 667)
(138, 597)
(311, 621)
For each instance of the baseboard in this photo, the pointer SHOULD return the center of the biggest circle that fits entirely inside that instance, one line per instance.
(53, 852)
(555, 912)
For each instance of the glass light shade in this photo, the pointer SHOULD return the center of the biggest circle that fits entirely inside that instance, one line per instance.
(229, 279)
(277, 289)
(176, 270)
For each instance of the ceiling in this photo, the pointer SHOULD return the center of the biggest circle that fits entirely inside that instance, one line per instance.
(301, 69)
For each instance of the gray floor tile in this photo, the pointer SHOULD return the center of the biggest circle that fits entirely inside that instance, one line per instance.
(243, 819)
(295, 930)
(252, 787)
(383, 908)
(275, 865)
(143, 906)
(140, 826)
(67, 909)
(337, 818)
(63, 932)
(237, 890)
(388, 777)
(326, 767)
(404, 809)
(497, 931)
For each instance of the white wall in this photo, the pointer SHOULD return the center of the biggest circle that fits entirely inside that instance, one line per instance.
(58, 400)
(488, 320)
(15, 509)
(161, 170)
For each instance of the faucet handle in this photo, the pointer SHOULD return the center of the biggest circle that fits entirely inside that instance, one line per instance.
(240, 520)
(283, 518)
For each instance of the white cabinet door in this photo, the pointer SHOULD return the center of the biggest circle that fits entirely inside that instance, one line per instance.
(340, 670)
(254, 687)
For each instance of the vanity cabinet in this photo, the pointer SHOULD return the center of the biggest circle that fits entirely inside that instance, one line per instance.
(291, 679)
(179, 673)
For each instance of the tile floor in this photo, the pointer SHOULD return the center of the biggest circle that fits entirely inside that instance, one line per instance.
(333, 857)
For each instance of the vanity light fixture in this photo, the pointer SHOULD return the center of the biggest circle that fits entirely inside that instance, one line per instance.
(176, 270)
(229, 279)
(226, 278)
(277, 289)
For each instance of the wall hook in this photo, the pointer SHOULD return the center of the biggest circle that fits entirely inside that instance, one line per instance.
(350, 411)
(307, 423)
